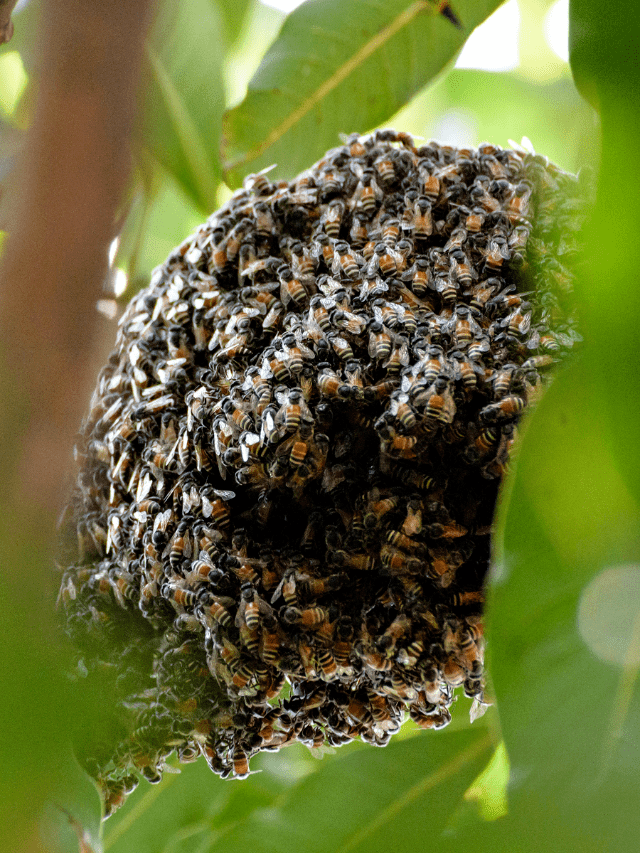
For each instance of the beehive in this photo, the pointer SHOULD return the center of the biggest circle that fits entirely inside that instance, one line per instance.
(289, 470)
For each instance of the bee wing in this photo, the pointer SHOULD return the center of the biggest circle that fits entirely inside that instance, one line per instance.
(534, 340)
(224, 494)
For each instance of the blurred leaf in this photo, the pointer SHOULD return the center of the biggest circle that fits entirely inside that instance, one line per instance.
(234, 15)
(73, 816)
(26, 19)
(468, 106)
(160, 216)
(184, 97)
(603, 44)
(565, 647)
(154, 813)
(183, 805)
(338, 67)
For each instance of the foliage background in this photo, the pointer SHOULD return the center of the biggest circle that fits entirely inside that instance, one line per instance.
(556, 764)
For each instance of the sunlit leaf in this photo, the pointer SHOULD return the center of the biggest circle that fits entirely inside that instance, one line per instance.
(339, 67)
(26, 19)
(469, 106)
(184, 97)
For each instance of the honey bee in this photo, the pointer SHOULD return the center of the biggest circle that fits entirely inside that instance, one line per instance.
(270, 640)
(396, 561)
(341, 347)
(179, 595)
(330, 385)
(258, 183)
(332, 218)
(295, 353)
(405, 543)
(475, 220)
(355, 145)
(272, 365)
(431, 185)
(467, 371)
(390, 230)
(249, 610)
(519, 321)
(291, 290)
(369, 192)
(495, 254)
(327, 663)
(485, 441)
(319, 315)
(403, 412)
(447, 290)
(293, 410)
(359, 562)
(399, 356)
(381, 390)
(385, 169)
(464, 326)
(440, 408)
(507, 407)
(460, 268)
(477, 349)
(518, 205)
(312, 618)
(481, 293)
(344, 260)
(449, 530)
(382, 260)
(358, 232)
(264, 221)
(379, 341)
(322, 248)
(178, 546)
(255, 382)
(469, 653)
(419, 277)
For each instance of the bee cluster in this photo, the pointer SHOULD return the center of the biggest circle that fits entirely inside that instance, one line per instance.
(290, 466)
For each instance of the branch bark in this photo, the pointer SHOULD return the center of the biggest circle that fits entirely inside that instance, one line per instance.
(70, 182)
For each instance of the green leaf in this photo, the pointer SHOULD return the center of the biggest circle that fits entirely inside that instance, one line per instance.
(159, 217)
(155, 813)
(339, 67)
(73, 815)
(234, 14)
(367, 800)
(366, 796)
(184, 97)
(603, 43)
(170, 816)
(564, 630)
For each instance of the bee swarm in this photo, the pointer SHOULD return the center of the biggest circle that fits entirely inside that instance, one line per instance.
(288, 474)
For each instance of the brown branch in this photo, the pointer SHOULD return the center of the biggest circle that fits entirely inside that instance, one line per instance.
(68, 185)
(70, 181)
